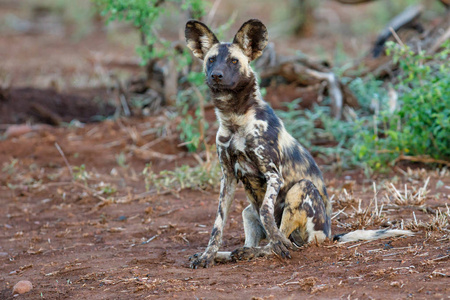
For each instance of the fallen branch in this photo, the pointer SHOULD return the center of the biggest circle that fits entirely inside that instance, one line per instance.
(302, 71)
(431, 40)
(406, 19)
(422, 159)
(46, 114)
(333, 89)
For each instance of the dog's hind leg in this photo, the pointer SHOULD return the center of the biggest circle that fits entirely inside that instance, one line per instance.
(304, 217)
(253, 228)
(254, 233)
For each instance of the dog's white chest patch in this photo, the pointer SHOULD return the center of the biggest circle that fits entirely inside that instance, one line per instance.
(238, 142)
(240, 162)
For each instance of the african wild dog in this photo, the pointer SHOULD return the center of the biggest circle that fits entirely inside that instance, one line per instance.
(289, 205)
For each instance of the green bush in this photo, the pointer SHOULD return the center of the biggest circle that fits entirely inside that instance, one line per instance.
(421, 124)
(144, 15)
(375, 138)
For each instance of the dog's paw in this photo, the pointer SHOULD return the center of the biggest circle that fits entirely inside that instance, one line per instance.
(280, 246)
(201, 260)
(245, 253)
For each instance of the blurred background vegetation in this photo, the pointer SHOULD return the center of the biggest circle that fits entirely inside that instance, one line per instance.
(401, 114)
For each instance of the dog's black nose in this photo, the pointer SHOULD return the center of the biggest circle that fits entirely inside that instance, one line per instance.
(217, 75)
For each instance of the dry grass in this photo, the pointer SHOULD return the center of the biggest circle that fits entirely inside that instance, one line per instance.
(361, 217)
(437, 222)
(371, 215)
(353, 214)
(345, 199)
(205, 175)
(406, 196)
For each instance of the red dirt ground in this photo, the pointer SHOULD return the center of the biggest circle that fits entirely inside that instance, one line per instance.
(73, 242)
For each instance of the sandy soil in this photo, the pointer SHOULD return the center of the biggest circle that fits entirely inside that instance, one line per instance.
(102, 236)
(71, 241)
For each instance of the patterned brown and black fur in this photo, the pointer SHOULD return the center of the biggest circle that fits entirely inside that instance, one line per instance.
(289, 204)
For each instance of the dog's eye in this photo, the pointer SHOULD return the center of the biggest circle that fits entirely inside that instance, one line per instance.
(234, 61)
(211, 60)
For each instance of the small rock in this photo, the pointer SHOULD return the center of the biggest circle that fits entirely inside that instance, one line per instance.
(3, 254)
(398, 284)
(114, 172)
(17, 130)
(22, 287)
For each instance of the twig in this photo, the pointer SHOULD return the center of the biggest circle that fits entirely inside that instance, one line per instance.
(391, 254)
(153, 143)
(397, 38)
(423, 159)
(150, 154)
(150, 239)
(125, 107)
(375, 250)
(122, 96)
(401, 268)
(65, 159)
(132, 132)
(440, 41)
(401, 248)
(440, 274)
(126, 199)
(46, 114)
(185, 239)
(355, 245)
(375, 197)
(440, 258)
(406, 19)
(333, 246)
(338, 213)
(443, 239)
(292, 276)
(168, 212)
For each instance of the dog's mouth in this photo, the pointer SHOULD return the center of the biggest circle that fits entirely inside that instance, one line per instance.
(219, 86)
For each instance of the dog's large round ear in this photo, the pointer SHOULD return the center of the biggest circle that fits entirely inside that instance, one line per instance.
(252, 38)
(199, 38)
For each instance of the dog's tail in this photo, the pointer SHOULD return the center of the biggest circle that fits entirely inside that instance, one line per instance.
(367, 235)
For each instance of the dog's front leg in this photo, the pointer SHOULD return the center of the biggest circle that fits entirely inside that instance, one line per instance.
(207, 258)
(278, 243)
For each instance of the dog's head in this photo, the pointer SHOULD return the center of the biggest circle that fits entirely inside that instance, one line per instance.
(227, 65)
